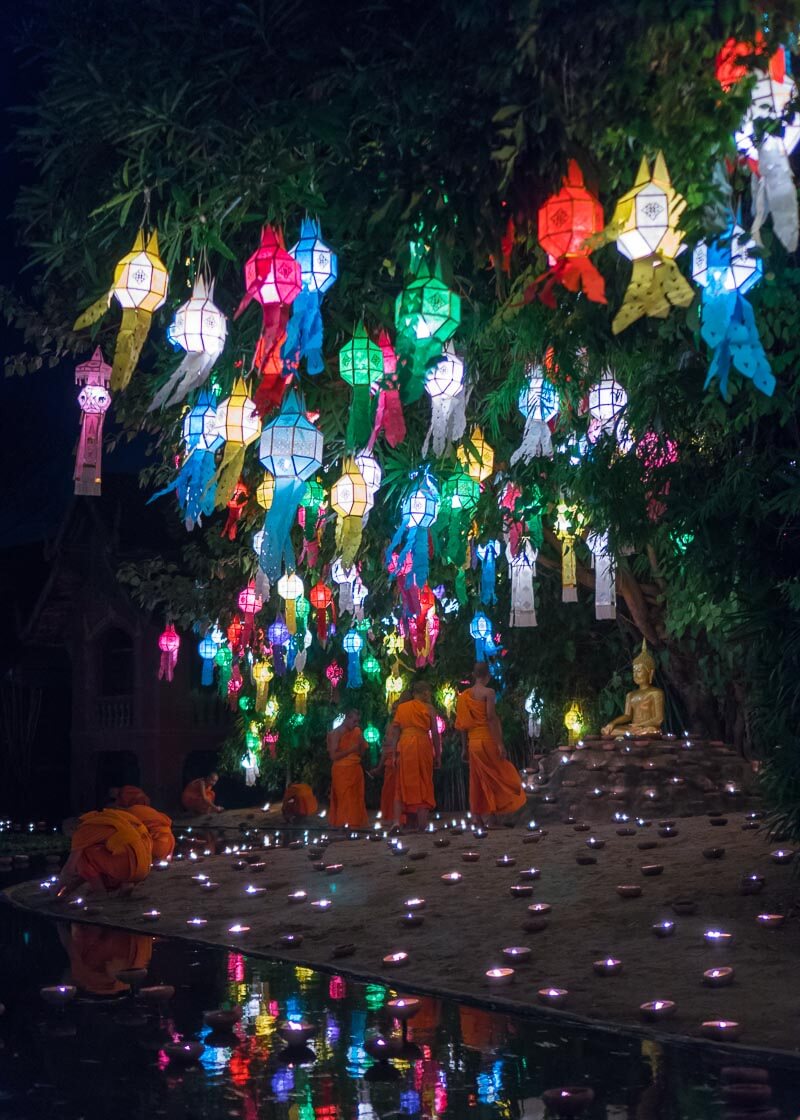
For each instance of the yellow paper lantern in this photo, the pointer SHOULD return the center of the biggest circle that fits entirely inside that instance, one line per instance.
(262, 675)
(265, 491)
(351, 499)
(478, 459)
(301, 689)
(290, 588)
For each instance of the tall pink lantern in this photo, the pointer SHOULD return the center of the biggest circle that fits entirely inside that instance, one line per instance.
(168, 643)
(94, 399)
(250, 603)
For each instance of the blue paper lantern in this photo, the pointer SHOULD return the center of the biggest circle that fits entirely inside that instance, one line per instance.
(353, 644)
(207, 649)
(418, 511)
(318, 270)
(193, 485)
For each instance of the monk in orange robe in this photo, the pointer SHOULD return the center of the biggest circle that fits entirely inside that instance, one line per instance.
(127, 796)
(495, 787)
(346, 748)
(159, 825)
(419, 748)
(199, 796)
(298, 801)
(109, 849)
(97, 954)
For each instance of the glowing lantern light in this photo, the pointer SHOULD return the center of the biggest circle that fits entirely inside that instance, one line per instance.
(573, 721)
(250, 603)
(335, 675)
(224, 662)
(140, 288)
(447, 698)
(360, 592)
(534, 707)
(725, 269)
(321, 599)
(567, 222)
(480, 630)
(270, 741)
(273, 278)
(426, 315)
(646, 219)
(389, 417)
(290, 589)
(607, 402)
(265, 491)
(249, 761)
(539, 404)
(460, 496)
(199, 328)
(371, 666)
(168, 643)
(371, 471)
(300, 691)
(605, 575)
(350, 501)
(353, 644)
(569, 521)
(208, 651)
(291, 450)
(236, 507)
(393, 687)
(361, 367)
(278, 637)
(94, 400)
(318, 271)
(238, 423)
(487, 555)
(344, 577)
(418, 510)
(477, 457)
(730, 65)
(522, 569)
(262, 675)
(444, 384)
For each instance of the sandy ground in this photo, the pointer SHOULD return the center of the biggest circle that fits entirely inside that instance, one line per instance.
(467, 925)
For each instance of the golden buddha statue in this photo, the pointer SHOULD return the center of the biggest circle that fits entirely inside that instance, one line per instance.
(644, 707)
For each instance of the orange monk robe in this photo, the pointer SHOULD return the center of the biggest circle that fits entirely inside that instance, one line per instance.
(131, 795)
(347, 784)
(481, 1030)
(159, 825)
(414, 756)
(305, 801)
(97, 954)
(494, 783)
(198, 797)
(111, 847)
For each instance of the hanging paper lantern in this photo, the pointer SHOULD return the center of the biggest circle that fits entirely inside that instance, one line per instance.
(481, 633)
(418, 512)
(726, 269)
(270, 741)
(444, 384)
(605, 575)
(350, 501)
(360, 593)
(477, 457)
(656, 452)
(389, 418)
(168, 643)
(291, 450)
(534, 706)
(371, 666)
(569, 521)
(567, 222)
(207, 649)
(427, 315)
(447, 698)
(344, 577)
(140, 288)
(460, 496)
(235, 633)
(646, 219)
(361, 366)
(335, 675)
(731, 63)
(194, 484)
(94, 400)
(262, 675)
(249, 761)
(224, 663)
(265, 491)
(573, 721)
(607, 402)
(300, 691)
(394, 687)
(539, 404)
(238, 423)
(272, 710)
(236, 507)
(487, 555)
(273, 278)
(278, 637)
(353, 644)
(318, 272)
(250, 603)
(290, 589)
(521, 570)
(199, 328)
(321, 599)
(371, 471)
(768, 135)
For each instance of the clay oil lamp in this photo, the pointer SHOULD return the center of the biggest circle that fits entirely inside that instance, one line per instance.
(417, 855)
(608, 967)
(451, 878)
(151, 915)
(528, 874)
(718, 977)
(717, 937)
(415, 904)
(718, 822)
(480, 833)
(626, 831)
(684, 906)
(535, 925)
(77, 903)
(650, 870)
(294, 898)
(240, 865)
(584, 859)
(782, 855)
(210, 886)
(581, 826)
(752, 884)
(157, 993)
(256, 865)
(656, 1010)
(395, 960)
(255, 892)
(539, 909)
(403, 1008)
(290, 940)
(411, 919)
(200, 878)
(713, 853)
(222, 1019)
(184, 1053)
(521, 890)
(197, 923)
(594, 844)
(58, 995)
(517, 954)
(505, 861)
(334, 868)
(629, 890)
(568, 1102)
(470, 857)
(237, 929)
(720, 1030)
(499, 977)
(668, 831)
(442, 842)
(647, 845)
(296, 845)
(162, 865)
(552, 997)
(663, 929)
(296, 1034)
(321, 904)
(770, 921)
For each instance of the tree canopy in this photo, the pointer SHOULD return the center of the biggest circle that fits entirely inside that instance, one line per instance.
(434, 124)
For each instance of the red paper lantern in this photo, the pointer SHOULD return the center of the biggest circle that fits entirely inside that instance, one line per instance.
(236, 506)
(566, 222)
(730, 66)
(321, 598)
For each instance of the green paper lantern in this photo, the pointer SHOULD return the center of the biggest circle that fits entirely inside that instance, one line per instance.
(245, 703)
(371, 666)
(371, 734)
(361, 366)
(427, 308)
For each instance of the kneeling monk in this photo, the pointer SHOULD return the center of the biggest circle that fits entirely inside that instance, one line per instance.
(199, 796)
(415, 732)
(126, 796)
(298, 801)
(110, 849)
(346, 747)
(159, 825)
(495, 787)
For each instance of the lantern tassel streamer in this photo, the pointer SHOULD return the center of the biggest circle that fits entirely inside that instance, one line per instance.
(276, 547)
(729, 328)
(776, 193)
(304, 333)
